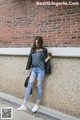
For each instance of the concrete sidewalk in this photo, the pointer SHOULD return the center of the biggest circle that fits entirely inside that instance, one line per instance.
(16, 115)
(44, 112)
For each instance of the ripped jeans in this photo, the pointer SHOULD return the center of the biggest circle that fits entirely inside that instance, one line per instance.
(36, 74)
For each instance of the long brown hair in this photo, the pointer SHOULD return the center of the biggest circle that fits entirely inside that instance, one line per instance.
(40, 42)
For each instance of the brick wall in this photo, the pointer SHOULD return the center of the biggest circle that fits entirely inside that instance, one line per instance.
(22, 20)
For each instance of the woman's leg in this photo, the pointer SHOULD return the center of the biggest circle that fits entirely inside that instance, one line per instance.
(39, 93)
(39, 96)
(28, 90)
(41, 74)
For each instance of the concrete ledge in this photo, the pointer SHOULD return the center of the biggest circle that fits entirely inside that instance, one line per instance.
(43, 111)
(56, 51)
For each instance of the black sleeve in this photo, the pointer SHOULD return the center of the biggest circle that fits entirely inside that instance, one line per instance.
(45, 52)
(29, 62)
(48, 63)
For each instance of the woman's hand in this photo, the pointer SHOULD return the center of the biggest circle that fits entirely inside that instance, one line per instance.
(48, 57)
(30, 69)
(49, 54)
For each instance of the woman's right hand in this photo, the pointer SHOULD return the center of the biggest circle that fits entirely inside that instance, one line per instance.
(30, 69)
(49, 54)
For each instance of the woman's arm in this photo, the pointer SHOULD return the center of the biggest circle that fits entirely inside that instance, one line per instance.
(48, 55)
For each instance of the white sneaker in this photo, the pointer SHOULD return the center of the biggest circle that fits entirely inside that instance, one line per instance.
(22, 107)
(35, 108)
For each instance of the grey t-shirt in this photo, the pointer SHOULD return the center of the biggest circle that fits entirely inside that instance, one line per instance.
(38, 59)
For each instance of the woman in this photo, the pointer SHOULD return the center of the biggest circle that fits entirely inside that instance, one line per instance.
(36, 62)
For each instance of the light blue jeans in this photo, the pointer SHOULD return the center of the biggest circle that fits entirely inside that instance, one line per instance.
(37, 74)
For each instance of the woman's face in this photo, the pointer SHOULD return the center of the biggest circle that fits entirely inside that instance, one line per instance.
(36, 43)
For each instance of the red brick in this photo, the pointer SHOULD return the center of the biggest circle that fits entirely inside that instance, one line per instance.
(20, 21)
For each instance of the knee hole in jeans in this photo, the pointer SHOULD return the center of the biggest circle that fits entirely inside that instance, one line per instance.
(31, 79)
(38, 83)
